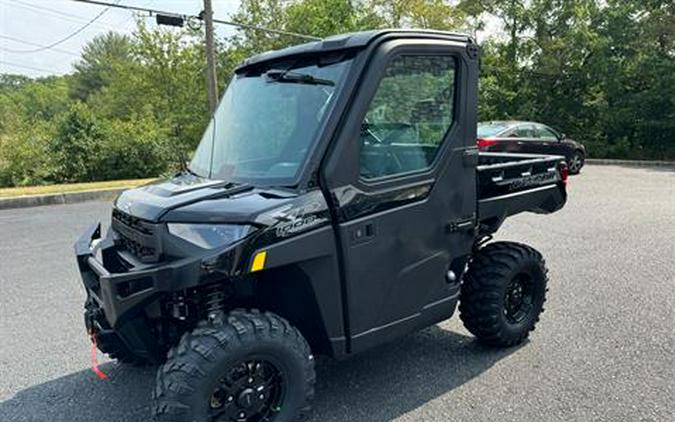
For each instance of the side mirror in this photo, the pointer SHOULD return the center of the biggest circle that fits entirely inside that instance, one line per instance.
(562, 137)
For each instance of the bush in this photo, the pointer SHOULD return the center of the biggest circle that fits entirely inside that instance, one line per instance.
(133, 149)
(76, 149)
(88, 149)
(24, 156)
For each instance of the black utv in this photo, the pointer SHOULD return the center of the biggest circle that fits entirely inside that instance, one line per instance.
(337, 201)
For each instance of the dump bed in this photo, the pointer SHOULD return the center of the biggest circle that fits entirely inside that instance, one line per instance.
(509, 184)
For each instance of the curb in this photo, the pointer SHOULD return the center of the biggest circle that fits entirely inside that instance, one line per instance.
(59, 198)
(633, 163)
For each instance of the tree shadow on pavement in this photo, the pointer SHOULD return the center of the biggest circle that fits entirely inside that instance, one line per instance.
(377, 386)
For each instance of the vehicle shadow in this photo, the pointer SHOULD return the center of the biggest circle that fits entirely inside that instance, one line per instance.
(377, 386)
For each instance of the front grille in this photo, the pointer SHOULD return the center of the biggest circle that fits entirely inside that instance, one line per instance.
(137, 236)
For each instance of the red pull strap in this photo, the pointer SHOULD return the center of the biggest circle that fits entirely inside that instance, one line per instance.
(94, 358)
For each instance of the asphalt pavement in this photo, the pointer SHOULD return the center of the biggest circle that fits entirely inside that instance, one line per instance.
(603, 351)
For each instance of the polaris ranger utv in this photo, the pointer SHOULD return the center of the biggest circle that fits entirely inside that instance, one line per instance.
(337, 201)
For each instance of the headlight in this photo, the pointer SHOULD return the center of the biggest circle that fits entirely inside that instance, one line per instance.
(210, 236)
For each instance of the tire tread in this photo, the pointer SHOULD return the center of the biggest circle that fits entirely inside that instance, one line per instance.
(481, 299)
(197, 350)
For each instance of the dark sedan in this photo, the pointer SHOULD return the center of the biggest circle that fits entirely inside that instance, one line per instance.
(530, 137)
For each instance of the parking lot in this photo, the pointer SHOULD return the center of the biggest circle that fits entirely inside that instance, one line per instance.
(604, 350)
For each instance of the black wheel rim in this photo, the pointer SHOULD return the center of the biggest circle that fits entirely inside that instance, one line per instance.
(519, 299)
(250, 391)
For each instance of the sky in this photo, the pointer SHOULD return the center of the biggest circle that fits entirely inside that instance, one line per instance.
(28, 24)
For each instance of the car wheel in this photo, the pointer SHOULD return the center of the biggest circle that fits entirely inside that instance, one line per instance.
(576, 163)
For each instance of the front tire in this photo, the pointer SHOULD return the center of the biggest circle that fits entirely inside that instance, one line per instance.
(503, 293)
(247, 366)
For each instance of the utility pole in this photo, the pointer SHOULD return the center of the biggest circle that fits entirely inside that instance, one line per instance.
(211, 81)
(175, 19)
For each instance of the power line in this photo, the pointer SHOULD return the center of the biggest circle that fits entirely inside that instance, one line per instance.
(9, 50)
(62, 40)
(53, 13)
(274, 31)
(22, 66)
(186, 17)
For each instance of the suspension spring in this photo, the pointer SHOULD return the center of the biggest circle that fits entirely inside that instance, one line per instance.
(214, 299)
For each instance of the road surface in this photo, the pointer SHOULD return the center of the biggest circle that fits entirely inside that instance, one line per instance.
(604, 350)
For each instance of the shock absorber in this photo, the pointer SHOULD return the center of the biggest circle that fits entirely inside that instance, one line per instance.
(179, 308)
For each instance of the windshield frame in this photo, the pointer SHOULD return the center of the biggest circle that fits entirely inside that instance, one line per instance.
(322, 130)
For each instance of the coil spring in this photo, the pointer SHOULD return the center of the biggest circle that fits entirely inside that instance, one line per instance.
(214, 298)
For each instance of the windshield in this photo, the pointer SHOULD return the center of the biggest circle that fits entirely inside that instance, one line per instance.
(267, 122)
(485, 130)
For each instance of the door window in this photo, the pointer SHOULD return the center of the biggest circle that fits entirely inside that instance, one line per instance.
(409, 116)
(523, 132)
(545, 133)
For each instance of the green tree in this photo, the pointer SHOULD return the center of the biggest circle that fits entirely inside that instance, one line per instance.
(76, 149)
(431, 14)
(638, 57)
(166, 81)
(135, 148)
(25, 155)
(560, 83)
(101, 57)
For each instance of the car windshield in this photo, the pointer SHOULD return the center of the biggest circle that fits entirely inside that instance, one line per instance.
(267, 122)
(486, 130)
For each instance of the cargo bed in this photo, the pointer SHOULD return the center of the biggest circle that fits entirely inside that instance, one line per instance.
(509, 184)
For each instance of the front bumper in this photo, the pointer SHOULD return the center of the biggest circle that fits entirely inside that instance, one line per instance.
(123, 295)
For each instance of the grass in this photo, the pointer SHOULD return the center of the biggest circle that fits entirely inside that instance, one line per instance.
(72, 187)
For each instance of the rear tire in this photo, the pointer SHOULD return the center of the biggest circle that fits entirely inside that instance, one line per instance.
(245, 366)
(503, 293)
(576, 162)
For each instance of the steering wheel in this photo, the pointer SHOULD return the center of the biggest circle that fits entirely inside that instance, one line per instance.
(393, 158)
(393, 132)
(368, 132)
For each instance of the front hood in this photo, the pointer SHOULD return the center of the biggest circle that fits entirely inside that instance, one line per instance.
(188, 198)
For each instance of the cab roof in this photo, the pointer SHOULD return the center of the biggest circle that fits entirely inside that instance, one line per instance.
(349, 41)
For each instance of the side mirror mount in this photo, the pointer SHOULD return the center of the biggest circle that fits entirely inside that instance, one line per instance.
(562, 137)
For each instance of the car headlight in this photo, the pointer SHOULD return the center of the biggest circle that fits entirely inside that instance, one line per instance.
(210, 236)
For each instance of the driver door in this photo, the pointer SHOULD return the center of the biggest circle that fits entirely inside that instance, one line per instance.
(398, 182)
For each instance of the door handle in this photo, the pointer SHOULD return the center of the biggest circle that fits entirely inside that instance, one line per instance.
(470, 157)
(362, 233)
(462, 224)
